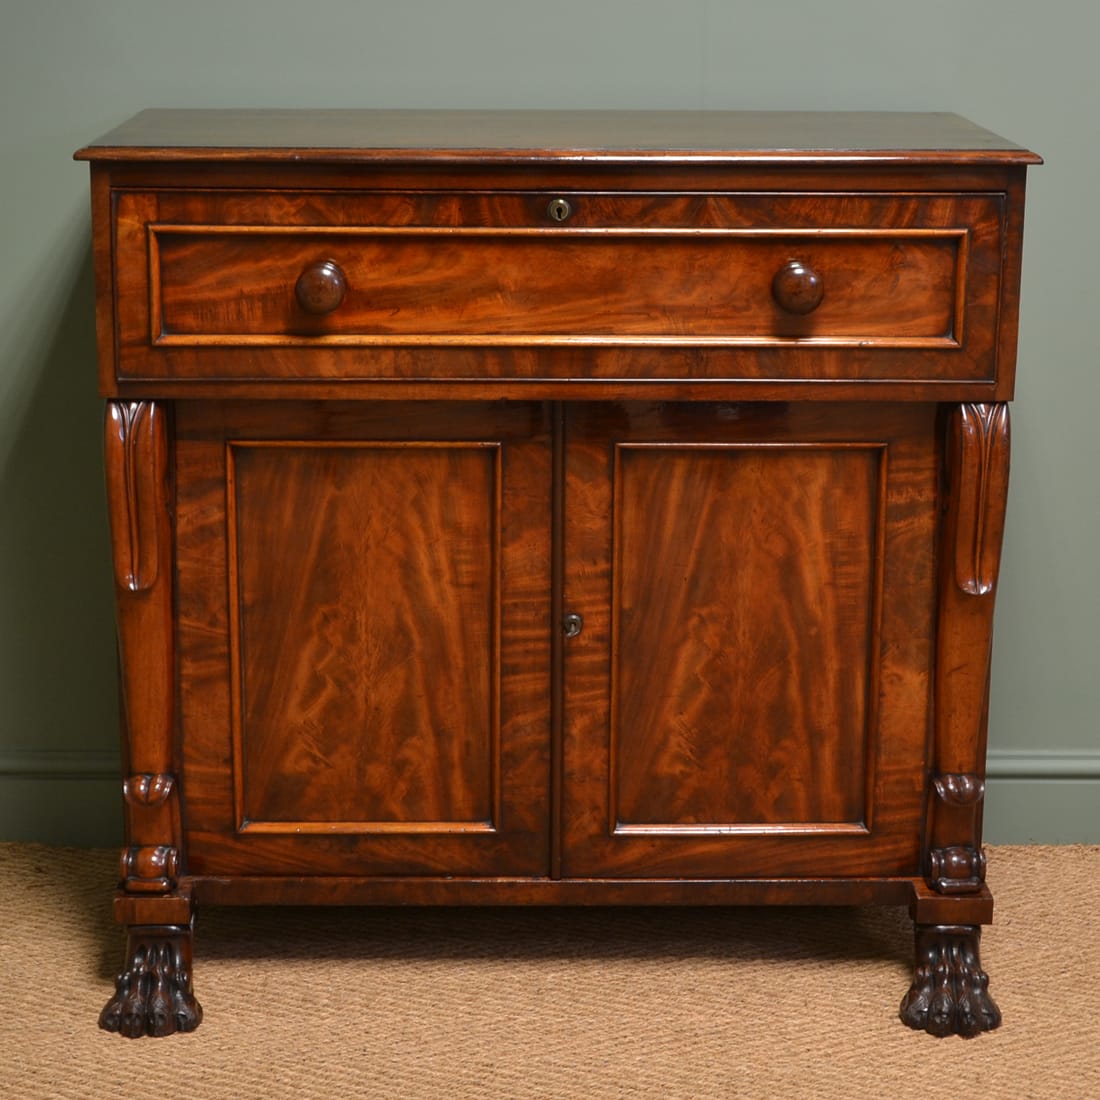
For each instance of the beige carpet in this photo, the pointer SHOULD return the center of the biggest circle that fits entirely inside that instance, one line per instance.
(562, 1004)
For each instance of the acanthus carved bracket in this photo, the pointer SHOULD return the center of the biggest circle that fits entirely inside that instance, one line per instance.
(980, 484)
(136, 459)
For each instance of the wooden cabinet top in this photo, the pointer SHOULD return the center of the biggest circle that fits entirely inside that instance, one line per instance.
(567, 136)
(673, 255)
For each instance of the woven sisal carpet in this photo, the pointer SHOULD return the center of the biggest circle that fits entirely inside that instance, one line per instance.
(562, 1004)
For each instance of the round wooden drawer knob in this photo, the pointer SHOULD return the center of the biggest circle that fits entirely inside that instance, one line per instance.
(798, 288)
(320, 288)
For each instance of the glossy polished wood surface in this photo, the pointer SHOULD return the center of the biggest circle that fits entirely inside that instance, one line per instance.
(407, 534)
(555, 508)
(764, 559)
(499, 135)
(477, 286)
(364, 637)
(216, 275)
(137, 467)
(752, 694)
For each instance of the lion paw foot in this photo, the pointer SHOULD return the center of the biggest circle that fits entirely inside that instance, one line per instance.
(950, 991)
(153, 995)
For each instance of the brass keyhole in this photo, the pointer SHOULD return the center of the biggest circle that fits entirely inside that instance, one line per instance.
(559, 209)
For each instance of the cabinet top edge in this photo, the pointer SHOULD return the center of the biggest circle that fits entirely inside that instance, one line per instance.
(570, 137)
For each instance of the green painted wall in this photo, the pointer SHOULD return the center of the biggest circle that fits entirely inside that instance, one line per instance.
(70, 69)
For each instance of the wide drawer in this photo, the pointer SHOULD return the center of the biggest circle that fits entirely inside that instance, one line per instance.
(757, 285)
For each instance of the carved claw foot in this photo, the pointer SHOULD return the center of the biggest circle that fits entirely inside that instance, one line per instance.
(949, 995)
(153, 994)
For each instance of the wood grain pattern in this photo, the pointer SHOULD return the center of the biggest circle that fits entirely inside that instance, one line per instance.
(682, 705)
(743, 571)
(977, 459)
(246, 889)
(383, 647)
(349, 528)
(138, 495)
(977, 469)
(654, 271)
(895, 287)
(366, 634)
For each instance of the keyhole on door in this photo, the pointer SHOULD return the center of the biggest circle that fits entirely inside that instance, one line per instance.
(571, 625)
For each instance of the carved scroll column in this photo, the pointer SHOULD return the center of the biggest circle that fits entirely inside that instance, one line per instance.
(950, 991)
(153, 992)
(970, 551)
(136, 454)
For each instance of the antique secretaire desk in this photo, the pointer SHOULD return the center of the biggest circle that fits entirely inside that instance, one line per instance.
(527, 508)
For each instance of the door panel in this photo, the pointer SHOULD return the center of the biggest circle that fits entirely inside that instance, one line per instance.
(766, 642)
(779, 636)
(364, 632)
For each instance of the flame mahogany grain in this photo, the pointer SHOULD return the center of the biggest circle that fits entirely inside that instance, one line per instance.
(465, 554)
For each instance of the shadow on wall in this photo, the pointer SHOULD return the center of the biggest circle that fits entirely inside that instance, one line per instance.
(59, 730)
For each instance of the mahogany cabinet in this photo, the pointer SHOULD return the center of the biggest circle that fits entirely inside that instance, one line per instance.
(587, 508)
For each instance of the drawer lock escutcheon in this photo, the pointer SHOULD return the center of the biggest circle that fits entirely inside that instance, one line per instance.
(559, 210)
(572, 625)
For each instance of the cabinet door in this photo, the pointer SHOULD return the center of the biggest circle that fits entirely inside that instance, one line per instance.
(749, 694)
(364, 622)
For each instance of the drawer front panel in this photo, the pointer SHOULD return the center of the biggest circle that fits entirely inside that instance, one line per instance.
(236, 286)
(708, 286)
